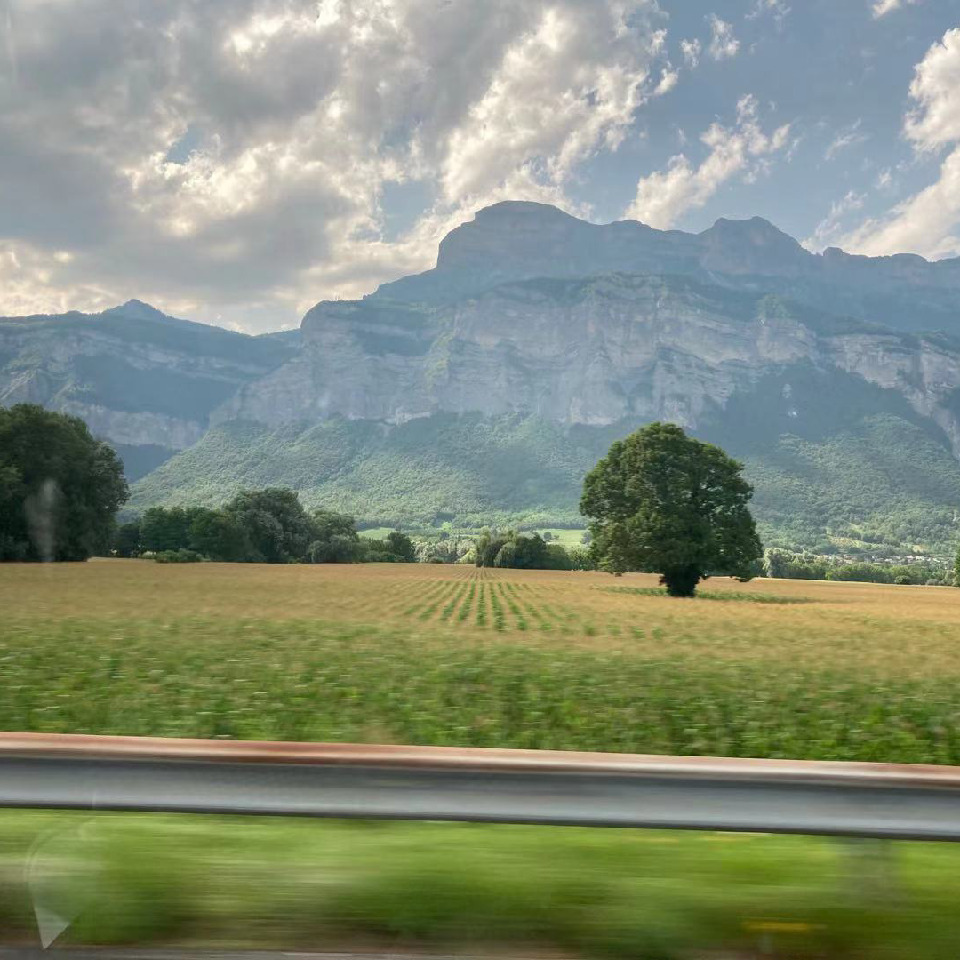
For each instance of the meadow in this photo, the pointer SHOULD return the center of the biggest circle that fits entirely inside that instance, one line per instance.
(456, 655)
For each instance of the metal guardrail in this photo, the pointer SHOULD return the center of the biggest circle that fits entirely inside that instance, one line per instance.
(501, 786)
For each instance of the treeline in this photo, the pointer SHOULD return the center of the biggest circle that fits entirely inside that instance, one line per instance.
(272, 526)
(518, 551)
(256, 526)
(785, 565)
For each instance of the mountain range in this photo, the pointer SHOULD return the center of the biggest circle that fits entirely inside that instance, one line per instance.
(482, 390)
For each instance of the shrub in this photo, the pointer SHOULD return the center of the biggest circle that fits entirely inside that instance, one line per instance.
(581, 559)
(182, 555)
(337, 548)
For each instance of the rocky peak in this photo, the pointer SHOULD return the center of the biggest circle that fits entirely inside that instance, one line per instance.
(517, 241)
(752, 246)
(138, 310)
(506, 231)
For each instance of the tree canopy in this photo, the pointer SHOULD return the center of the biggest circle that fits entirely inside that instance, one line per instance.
(519, 551)
(60, 488)
(257, 526)
(663, 502)
(278, 528)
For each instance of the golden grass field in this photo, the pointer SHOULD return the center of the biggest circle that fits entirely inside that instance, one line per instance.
(894, 630)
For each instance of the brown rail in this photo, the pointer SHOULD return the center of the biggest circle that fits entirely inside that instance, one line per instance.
(82, 746)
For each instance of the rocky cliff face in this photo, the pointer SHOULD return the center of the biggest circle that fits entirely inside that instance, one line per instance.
(138, 378)
(576, 352)
(590, 352)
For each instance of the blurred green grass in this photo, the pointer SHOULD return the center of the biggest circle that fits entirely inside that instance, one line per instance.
(260, 882)
(305, 680)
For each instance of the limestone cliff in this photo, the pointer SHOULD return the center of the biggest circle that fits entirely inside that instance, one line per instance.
(138, 378)
(592, 352)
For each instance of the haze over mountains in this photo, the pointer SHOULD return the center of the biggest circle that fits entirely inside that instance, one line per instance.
(482, 390)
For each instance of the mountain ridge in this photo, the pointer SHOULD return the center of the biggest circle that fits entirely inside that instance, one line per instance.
(516, 240)
(483, 389)
(145, 381)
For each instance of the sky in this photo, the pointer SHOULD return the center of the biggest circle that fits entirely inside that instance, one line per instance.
(236, 162)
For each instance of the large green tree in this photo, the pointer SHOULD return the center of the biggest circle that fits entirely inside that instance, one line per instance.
(218, 535)
(276, 525)
(663, 502)
(165, 528)
(401, 546)
(335, 538)
(60, 488)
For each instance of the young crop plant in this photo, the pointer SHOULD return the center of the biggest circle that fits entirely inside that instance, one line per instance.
(481, 617)
(514, 607)
(497, 607)
(464, 612)
(438, 598)
(522, 609)
(455, 599)
(425, 597)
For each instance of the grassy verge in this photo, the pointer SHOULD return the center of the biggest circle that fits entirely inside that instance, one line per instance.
(642, 894)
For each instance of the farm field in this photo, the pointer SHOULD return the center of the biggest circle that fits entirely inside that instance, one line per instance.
(455, 655)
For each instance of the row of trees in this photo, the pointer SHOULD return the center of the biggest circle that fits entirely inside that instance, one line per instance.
(785, 565)
(660, 501)
(518, 551)
(257, 526)
(271, 526)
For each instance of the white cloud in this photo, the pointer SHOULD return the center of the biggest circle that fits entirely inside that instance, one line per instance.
(935, 120)
(669, 78)
(927, 222)
(299, 115)
(848, 137)
(880, 8)
(738, 151)
(691, 50)
(723, 44)
(778, 9)
(27, 273)
(574, 82)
